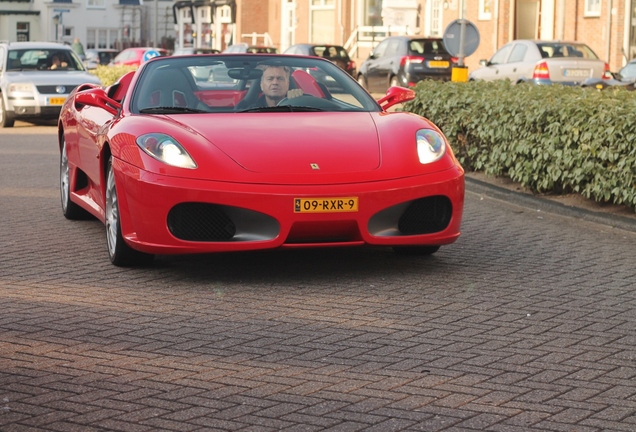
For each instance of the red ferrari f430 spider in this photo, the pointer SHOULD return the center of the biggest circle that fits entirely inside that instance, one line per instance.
(213, 153)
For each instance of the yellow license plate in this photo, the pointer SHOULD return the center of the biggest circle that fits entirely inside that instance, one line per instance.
(325, 205)
(57, 100)
(438, 64)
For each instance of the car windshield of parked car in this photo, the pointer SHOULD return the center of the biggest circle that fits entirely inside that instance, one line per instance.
(427, 46)
(557, 49)
(330, 52)
(237, 83)
(43, 59)
(261, 50)
(629, 71)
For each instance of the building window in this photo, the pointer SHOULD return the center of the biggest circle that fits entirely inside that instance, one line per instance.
(371, 12)
(592, 8)
(436, 18)
(22, 31)
(100, 38)
(95, 4)
(323, 21)
(485, 10)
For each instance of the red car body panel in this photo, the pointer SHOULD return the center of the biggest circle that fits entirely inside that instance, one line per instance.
(255, 166)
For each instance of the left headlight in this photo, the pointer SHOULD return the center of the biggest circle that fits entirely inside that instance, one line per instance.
(20, 88)
(430, 145)
(166, 149)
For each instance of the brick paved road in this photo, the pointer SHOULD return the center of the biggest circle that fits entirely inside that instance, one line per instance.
(526, 323)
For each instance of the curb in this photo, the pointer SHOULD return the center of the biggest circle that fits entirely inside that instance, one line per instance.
(532, 201)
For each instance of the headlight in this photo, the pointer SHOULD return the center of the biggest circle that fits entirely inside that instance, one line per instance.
(21, 88)
(430, 145)
(166, 149)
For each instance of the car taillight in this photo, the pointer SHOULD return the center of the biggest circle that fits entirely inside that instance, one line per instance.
(351, 65)
(606, 72)
(455, 60)
(410, 59)
(541, 71)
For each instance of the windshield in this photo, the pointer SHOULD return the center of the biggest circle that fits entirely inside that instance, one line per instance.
(246, 83)
(558, 49)
(43, 59)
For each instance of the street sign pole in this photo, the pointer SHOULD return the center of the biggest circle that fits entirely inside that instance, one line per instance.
(461, 39)
(462, 33)
(460, 72)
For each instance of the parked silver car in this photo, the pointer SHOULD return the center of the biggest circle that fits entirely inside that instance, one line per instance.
(543, 62)
(36, 78)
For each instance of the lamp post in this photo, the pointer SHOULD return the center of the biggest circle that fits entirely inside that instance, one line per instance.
(56, 22)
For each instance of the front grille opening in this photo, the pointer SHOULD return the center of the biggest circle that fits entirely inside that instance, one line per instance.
(324, 232)
(426, 215)
(200, 222)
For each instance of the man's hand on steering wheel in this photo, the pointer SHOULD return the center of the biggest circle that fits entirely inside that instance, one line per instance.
(294, 93)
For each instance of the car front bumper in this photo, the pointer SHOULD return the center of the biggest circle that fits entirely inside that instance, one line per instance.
(167, 215)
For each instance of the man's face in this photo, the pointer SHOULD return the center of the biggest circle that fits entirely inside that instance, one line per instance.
(275, 83)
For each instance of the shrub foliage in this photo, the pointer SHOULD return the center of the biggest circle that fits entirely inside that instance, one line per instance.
(551, 139)
(110, 74)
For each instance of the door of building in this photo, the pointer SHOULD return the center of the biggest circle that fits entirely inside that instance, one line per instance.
(288, 24)
(528, 14)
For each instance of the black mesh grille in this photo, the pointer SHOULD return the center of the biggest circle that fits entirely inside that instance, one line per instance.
(200, 222)
(426, 215)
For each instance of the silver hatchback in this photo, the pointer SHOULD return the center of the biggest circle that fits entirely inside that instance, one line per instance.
(543, 62)
(36, 78)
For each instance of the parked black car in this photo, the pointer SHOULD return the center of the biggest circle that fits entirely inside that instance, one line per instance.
(334, 53)
(404, 61)
(626, 77)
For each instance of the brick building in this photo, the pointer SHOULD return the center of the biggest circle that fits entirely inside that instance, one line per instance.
(607, 26)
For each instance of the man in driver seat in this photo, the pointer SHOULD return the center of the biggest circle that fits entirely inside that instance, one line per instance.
(275, 86)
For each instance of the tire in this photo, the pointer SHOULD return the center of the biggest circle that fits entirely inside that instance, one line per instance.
(362, 81)
(70, 210)
(119, 252)
(6, 119)
(415, 250)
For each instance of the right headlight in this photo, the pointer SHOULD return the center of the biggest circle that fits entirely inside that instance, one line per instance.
(431, 145)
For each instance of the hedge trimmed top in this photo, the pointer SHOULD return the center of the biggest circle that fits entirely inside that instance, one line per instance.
(548, 138)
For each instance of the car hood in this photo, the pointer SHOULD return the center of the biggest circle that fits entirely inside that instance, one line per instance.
(52, 77)
(294, 143)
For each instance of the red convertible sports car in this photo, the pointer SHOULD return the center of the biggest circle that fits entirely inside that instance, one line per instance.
(211, 153)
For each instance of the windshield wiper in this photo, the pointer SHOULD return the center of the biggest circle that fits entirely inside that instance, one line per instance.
(170, 110)
(282, 108)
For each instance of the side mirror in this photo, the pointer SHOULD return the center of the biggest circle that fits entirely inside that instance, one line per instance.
(483, 62)
(396, 95)
(118, 90)
(96, 97)
(372, 55)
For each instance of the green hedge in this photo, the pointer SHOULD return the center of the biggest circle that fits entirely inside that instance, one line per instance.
(110, 74)
(551, 139)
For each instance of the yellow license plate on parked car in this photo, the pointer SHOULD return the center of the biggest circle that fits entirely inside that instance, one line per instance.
(438, 64)
(325, 205)
(56, 100)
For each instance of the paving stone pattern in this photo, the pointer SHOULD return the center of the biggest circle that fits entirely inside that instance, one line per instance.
(526, 323)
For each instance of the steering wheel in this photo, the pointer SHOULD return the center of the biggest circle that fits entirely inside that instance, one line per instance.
(308, 100)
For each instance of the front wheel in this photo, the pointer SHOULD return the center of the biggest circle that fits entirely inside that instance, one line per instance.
(415, 250)
(70, 210)
(6, 119)
(119, 252)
